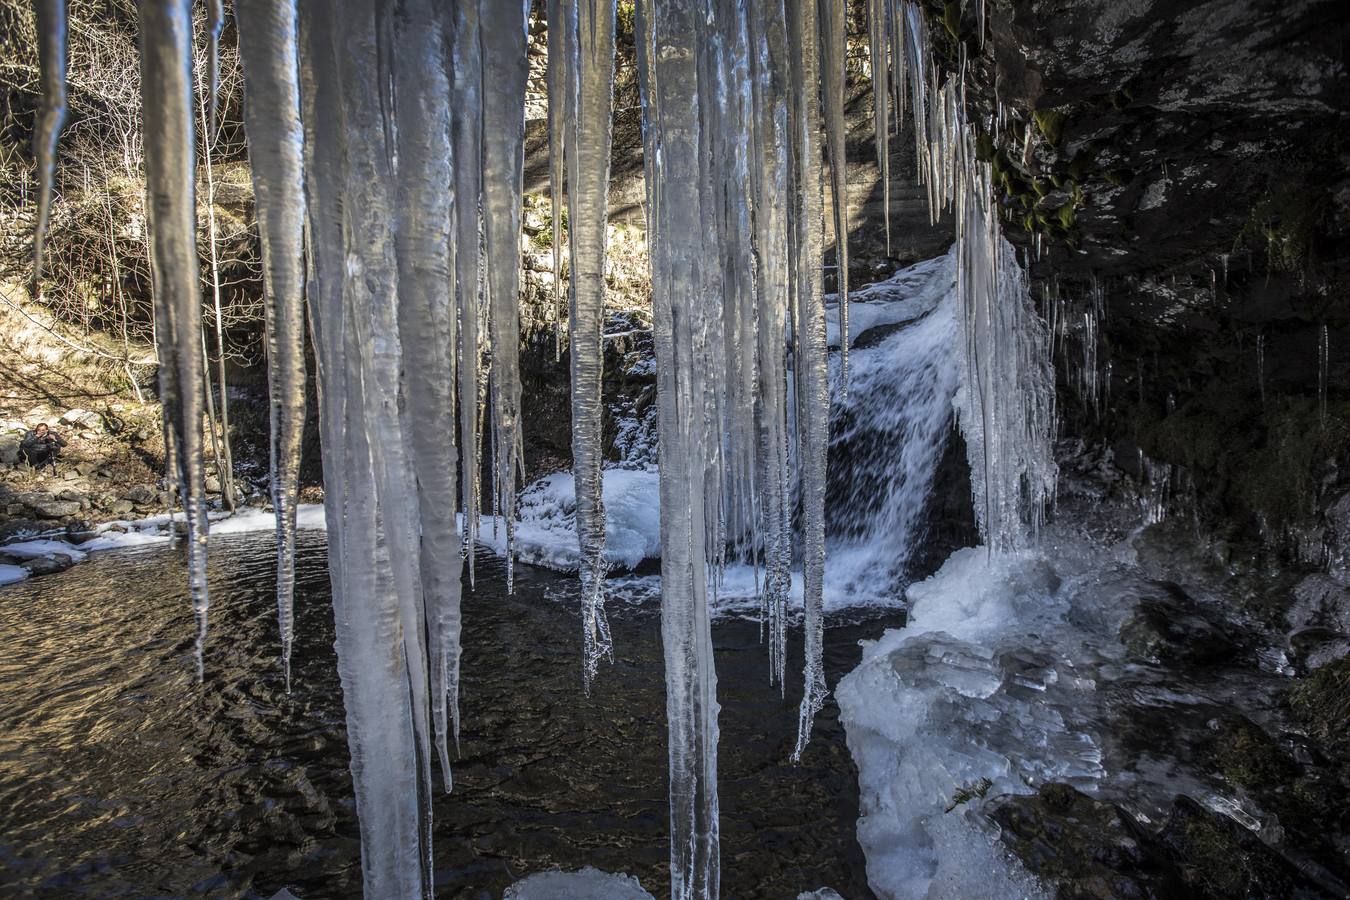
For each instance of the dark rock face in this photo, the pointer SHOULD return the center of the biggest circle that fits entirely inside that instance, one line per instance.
(1187, 160)
(1087, 848)
(1168, 627)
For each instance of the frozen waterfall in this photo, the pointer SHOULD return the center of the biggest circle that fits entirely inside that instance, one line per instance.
(387, 141)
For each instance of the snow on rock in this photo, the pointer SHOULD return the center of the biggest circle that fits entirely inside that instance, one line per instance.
(126, 535)
(587, 884)
(546, 532)
(12, 574)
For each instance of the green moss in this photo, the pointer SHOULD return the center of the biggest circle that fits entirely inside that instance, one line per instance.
(1267, 462)
(951, 18)
(1066, 215)
(1248, 757)
(1214, 860)
(1321, 703)
(1050, 122)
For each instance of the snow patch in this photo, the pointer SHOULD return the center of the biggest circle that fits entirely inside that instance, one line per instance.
(587, 884)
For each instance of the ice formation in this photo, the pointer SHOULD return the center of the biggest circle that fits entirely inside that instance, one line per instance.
(267, 44)
(170, 173)
(51, 23)
(400, 125)
(587, 101)
(1006, 404)
(581, 885)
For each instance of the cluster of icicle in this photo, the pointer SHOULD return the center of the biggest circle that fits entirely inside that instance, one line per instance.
(1006, 406)
(386, 140)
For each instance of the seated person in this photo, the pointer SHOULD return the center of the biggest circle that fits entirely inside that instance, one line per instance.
(41, 447)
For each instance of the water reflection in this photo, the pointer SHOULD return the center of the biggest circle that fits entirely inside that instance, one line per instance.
(120, 776)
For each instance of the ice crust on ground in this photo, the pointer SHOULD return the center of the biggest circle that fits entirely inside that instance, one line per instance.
(12, 574)
(1011, 669)
(587, 884)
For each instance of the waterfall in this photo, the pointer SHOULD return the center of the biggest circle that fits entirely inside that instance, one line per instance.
(889, 434)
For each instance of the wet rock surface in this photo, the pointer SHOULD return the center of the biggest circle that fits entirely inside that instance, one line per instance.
(1169, 627)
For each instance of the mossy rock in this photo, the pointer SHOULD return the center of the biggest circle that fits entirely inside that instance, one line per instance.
(1321, 703)
(1050, 122)
(1083, 847)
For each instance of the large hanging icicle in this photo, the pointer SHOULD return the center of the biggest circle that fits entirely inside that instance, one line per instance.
(503, 32)
(811, 387)
(427, 329)
(768, 42)
(684, 315)
(166, 94)
(268, 48)
(831, 64)
(215, 24)
(1006, 405)
(587, 38)
(557, 124)
(376, 582)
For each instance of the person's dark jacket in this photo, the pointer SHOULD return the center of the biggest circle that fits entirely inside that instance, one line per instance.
(39, 450)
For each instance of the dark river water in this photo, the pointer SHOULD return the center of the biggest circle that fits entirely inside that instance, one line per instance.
(120, 776)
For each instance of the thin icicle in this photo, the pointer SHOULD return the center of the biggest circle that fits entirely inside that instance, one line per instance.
(811, 383)
(768, 40)
(503, 33)
(51, 24)
(467, 147)
(170, 170)
(427, 333)
(832, 54)
(878, 44)
(1323, 369)
(587, 28)
(558, 78)
(683, 310)
(215, 24)
(267, 46)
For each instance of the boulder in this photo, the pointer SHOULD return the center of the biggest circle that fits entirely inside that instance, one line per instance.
(140, 494)
(9, 449)
(121, 507)
(82, 417)
(52, 508)
(1169, 627)
(49, 564)
(1085, 847)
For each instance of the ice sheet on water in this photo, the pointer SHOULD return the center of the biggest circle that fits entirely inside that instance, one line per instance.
(12, 574)
(42, 547)
(587, 884)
